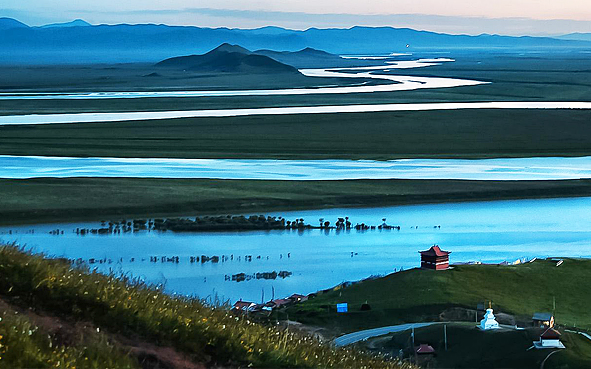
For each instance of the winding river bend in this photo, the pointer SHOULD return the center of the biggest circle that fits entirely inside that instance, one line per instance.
(398, 83)
(489, 232)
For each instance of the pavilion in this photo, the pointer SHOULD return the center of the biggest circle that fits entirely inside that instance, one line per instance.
(435, 258)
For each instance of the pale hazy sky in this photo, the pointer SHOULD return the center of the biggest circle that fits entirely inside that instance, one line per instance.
(454, 16)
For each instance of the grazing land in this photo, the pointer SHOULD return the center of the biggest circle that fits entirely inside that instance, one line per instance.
(419, 295)
(52, 199)
(481, 133)
(71, 317)
(532, 77)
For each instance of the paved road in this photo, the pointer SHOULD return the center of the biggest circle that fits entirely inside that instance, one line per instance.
(586, 335)
(351, 338)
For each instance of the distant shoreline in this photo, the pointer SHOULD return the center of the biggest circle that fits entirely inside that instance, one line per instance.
(51, 200)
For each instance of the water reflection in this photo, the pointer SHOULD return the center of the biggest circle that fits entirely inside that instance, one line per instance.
(480, 231)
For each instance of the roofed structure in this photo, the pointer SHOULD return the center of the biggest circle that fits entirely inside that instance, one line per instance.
(425, 349)
(435, 258)
(549, 339)
(543, 320)
(243, 305)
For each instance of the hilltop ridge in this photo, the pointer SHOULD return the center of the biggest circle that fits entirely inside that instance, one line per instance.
(228, 58)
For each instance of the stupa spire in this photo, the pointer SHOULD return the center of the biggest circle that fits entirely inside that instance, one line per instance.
(489, 321)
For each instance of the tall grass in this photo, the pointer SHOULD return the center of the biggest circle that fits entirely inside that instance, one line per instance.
(23, 344)
(206, 334)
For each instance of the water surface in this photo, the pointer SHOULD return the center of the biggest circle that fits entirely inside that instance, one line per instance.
(542, 168)
(398, 83)
(26, 119)
(479, 231)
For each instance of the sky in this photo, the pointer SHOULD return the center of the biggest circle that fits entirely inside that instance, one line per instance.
(511, 17)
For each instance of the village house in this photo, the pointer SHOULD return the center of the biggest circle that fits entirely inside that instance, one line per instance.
(298, 298)
(425, 349)
(543, 320)
(243, 305)
(435, 258)
(549, 339)
(279, 303)
(424, 354)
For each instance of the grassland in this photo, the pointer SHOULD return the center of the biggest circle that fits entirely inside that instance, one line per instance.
(428, 134)
(470, 348)
(133, 316)
(389, 135)
(52, 199)
(421, 295)
(513, 77)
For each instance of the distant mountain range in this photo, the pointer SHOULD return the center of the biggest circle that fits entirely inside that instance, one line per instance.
(576, 37)
(74, 23)
(79, 42)
(9, 23)
(228, 58)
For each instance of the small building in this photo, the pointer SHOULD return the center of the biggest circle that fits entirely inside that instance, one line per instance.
(424, 355)
(298, 298)
(543, 320)
(435, 258)
(549, 339)
(342, 308)
(243, 305)
(279, 303)
(425, 349)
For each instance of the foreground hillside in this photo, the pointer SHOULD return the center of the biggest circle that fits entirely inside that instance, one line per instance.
(55, 315)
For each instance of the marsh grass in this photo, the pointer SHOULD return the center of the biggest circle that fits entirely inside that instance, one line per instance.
(206, 334)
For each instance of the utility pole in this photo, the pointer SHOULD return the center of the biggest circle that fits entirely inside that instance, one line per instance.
(554, 308)
(413, 345)
(445, 335)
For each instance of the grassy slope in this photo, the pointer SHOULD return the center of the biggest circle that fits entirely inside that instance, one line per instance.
(431, 134)
(420, 295)
(38, 200)
(25, 344)
(470, 348)
(212, 336)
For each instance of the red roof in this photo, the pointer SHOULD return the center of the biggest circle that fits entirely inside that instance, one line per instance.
(425, 349)
(435, 251)
(550, 334)
(281, 302)
(241, 305)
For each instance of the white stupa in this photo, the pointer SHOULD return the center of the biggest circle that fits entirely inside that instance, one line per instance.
(489, 322)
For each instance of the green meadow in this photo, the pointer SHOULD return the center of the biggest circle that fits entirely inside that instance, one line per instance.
(419, 295)
(52, 199)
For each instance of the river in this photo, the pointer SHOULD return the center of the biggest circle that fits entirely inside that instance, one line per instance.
(540, 168)
(477, 231)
